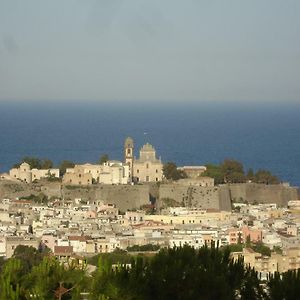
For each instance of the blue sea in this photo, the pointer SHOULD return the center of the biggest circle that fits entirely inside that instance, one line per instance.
(260, 135)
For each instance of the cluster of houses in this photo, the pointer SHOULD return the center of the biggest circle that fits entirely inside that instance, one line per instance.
(147, 168)
(77, 228)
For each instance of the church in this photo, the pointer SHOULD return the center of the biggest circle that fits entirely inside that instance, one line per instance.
(147, 168)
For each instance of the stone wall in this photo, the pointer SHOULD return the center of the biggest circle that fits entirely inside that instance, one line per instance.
(135, 196)
(261, 193)
(202, 197)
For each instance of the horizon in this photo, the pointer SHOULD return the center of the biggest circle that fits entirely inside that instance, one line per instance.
(145, 51)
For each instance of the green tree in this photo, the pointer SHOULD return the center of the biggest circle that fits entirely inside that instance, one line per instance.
(35, 163)
(233, 171)
(171, 172)
(30, 256)
(284, 286)
(10, 280)
(266, 177)
(64, 165)
(215, 172)
(250, 175)
(103, 159)
(261, 248)
(46, 164)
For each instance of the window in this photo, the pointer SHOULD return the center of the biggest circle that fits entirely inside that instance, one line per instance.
(138, 171)
(147, 178)
(156, 171)
(79, 175)
(147, 166)
(156, 179)
(128, 151)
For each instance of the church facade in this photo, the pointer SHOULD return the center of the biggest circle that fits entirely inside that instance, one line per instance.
(147, 168)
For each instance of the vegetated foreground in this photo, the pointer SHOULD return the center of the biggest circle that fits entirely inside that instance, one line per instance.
(178, 273)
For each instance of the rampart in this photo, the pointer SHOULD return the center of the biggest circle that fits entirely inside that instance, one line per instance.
(261, 193)
(134, 196)
(202, 197)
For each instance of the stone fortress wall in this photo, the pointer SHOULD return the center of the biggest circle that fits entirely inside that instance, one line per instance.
(134, 196)
(261, 193)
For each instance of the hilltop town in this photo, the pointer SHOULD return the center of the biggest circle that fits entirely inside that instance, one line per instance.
(130, 204)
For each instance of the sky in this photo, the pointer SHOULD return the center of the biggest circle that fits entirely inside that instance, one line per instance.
(150, 50)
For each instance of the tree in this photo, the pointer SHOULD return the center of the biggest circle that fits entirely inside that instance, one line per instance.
(46, 164)
(171, 172)
(103, 159)
(215, 172)
(36, 163)
(64, 165)
(266, 177)
(30, 256)
(250, 174)
(233, 171)
(259, 247)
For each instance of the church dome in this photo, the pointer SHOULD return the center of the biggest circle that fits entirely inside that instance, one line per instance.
(147, 147)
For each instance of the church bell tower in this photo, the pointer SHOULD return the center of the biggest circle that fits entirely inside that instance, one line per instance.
(128, 154)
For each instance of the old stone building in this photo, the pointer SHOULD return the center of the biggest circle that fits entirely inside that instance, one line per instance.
(26, 174)
(147, 168)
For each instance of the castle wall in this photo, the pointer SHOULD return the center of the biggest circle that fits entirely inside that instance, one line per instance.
(202, 197)
(134, 196)
(252, 192)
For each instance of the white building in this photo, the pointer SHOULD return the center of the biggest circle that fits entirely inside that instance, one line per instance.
(24, 173)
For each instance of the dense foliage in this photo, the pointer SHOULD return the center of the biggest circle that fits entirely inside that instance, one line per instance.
(103, 159)
(36, 163)
(179, 273)
(143, 248)
(41, 198)
(64, 165)
(232, 171)
(171, 172)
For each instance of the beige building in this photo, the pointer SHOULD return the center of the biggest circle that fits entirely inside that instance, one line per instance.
(25, 174)
(193, 171)
(12, 242)
(289, 260)
(204, 218)
(77, 176)
(111, 172)
(147, 168)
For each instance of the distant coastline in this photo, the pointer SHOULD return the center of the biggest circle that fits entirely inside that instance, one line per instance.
(260, 135)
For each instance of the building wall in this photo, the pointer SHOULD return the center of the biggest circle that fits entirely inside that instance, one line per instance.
(148, 171)
(13, 242)
(148, 168)
(193, 171)
(79, 178)
(24, 173)
(111, 172)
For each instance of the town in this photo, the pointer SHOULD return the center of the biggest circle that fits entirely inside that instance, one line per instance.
(132, 205)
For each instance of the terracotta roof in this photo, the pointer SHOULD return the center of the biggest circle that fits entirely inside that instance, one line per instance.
(81, 238)
(63, 250)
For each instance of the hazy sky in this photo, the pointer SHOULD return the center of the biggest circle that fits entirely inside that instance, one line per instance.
(150, 49)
